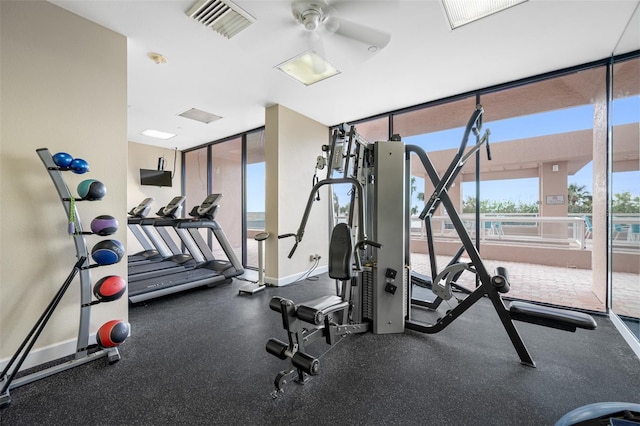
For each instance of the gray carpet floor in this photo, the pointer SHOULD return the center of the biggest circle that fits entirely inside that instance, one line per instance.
(198, 358)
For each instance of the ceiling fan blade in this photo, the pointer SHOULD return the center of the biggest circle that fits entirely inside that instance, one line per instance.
(368, 36)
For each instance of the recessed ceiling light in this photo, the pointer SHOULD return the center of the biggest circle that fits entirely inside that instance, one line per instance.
(462, 12)
(157, 134)
(308, 68)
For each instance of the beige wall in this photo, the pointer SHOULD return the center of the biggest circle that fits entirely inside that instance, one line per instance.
(146, 157)
(293, 143)
(63, 87)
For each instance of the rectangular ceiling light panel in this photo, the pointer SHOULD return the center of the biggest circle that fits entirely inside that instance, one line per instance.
(223, 16)
(157, 134)
(462, 12)
(199, 115)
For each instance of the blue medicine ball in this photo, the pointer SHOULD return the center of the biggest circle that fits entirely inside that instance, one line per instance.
(107, 252)
(91, 190)
(62, 160)
(104, 225)
(79, 166)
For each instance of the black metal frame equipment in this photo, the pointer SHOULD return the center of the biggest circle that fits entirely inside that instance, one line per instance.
(376, 294)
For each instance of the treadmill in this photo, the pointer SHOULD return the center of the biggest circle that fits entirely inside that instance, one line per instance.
(208, 271)
(136, 215)
(171, 256)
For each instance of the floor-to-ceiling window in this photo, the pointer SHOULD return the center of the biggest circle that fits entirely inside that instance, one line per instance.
(226, 179)
(233, 167)
(542, 206)
(254, 194)
(540, 199)
(625, 194)
(538, 192)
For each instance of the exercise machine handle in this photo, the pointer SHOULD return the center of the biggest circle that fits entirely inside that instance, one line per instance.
(363, 243)
(361, 208)
(293, 250)
(473, 125)
(295, 246)
(360, 245)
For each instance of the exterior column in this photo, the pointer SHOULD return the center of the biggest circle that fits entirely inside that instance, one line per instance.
(553, 183)
(599, 236)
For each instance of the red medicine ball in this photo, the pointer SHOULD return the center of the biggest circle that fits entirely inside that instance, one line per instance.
(112, 333)
(109, 288)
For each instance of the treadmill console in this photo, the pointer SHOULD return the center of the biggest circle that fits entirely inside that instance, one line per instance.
(209, 205)
(174, 208)
(142, 210)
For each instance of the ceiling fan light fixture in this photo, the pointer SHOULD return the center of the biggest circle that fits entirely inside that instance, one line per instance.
(311, 19)
(308, 68)
(462, 12)
(310, 14)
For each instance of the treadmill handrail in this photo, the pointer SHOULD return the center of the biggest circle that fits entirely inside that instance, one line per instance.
(190, 223)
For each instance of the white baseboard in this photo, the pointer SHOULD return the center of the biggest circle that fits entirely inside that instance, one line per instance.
(282, 281)
(50, 353)
(47, 354)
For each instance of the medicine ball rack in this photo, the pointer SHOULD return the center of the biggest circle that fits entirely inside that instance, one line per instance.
(84, 351)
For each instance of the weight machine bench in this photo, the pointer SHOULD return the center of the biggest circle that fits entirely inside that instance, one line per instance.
(326, 316)
(560, 319)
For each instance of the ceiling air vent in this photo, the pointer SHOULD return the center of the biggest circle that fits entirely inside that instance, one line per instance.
(224, 17)
(199, 115)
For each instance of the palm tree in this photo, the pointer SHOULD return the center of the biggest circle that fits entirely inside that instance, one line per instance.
(579, 199)
(625, 203)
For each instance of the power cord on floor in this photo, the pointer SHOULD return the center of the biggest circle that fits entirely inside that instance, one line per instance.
(305, 275)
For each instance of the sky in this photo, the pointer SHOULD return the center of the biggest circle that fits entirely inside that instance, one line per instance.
(625, 111)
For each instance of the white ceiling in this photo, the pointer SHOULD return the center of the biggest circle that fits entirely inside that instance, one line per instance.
(425, 60)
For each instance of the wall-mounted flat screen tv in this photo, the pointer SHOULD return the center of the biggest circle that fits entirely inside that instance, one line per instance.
(155, 177)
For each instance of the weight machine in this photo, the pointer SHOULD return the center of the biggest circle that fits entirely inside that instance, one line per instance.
(375, 274)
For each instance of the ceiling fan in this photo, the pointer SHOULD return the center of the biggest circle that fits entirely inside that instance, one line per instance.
(321, 18)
